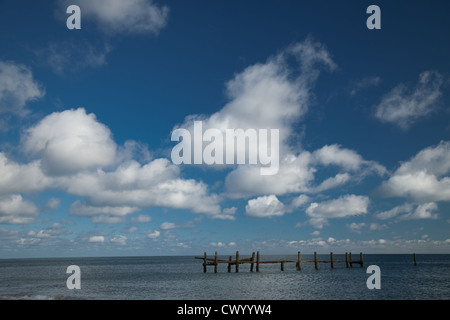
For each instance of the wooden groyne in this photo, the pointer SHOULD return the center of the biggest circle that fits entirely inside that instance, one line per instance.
(258, 261)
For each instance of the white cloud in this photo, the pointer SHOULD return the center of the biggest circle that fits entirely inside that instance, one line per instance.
(424, 178)
(409, 211)
(333, 182)
(153, 234)
(153, 184)
(347, 159)
(99, 239)
(299, 201)
(76, 154)
(377, 226)
(423, 211)
(222, 244)
(17, 88)
(344, 206)
(70, 141)
(17, 178)
(122, 240)
(229, 211)
(404, 106)
(52, 203)
(394, 212)
(15, 210)
(167, 226)
(270, 95)
(277, 95)
(356, 227)
(117, 16)
(297, 173)
(294, 176)
(331, 240)
(265, 207)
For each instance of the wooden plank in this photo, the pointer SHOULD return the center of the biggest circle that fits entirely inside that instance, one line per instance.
(215, 262)
(253, 262)
(257, 261)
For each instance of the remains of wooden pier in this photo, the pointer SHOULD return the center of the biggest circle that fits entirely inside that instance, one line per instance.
(237, 261)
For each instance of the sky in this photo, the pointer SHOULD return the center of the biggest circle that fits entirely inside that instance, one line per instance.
(87, 116)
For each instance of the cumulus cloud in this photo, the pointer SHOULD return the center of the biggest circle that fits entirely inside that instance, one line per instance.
(15, 210)
(409, 211)
(153, 234)
(423, 211)
(276, 94)
(424, 177)
(299, 201)
(343, 207)
(297, 173)
(75, 153)
(17, 88)
(17, 178)
(101, 214)
(132, 186)
(70, 141)
(356, 227)
(294, 176)
(99, 239)
(348, 159)
(167, 226)
(265, 207)
(404, 105)
(119, 239)
(123, 17)
(269, 95)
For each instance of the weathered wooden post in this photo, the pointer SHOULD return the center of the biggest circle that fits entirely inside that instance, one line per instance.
(331, 260)
(282, 266)
(350, 257)
(415, 260)
(299, 261)
(346, 259)
(253, 262)
(229, 263)
(237, 261)
(361, 262)
(257, 261)
(315, 260)
(215, 262)
(204, 262)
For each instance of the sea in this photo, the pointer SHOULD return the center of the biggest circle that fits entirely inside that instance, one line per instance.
(182, 278)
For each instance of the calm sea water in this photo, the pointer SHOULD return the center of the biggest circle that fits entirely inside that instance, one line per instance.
(182, 278)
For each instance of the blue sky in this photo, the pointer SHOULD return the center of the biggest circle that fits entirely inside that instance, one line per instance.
(86, 118)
